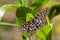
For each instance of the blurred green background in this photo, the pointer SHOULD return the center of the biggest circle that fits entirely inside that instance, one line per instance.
(9, 33)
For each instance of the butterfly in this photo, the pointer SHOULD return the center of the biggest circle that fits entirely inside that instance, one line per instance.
(35, 23)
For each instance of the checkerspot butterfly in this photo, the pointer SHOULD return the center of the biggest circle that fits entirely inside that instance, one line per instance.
(35, 23)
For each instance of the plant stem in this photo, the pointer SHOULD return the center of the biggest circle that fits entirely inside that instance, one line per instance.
(8, 24)
(23, 3)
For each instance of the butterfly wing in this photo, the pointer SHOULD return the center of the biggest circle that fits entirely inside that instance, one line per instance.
(38, 21)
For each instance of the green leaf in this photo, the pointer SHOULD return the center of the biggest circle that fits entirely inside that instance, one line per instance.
(22, 2)
(39, 3)
(21, 15)
(29, 16)
(46, 29)
(5, 8)
(40, 34)
(54, 11)
(19, 2)
(25, 34)
(49, 36)
(34, 6)
(26, 3)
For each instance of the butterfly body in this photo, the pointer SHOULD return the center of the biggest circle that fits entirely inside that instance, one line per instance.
(37, 22)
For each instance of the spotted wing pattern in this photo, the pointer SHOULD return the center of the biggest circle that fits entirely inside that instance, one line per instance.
(37, 22)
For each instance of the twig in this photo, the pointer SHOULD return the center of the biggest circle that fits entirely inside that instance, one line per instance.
(8, 24)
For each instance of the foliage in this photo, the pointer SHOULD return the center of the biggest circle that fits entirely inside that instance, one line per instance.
(5, 8)
(24, 13)
(54, 11)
